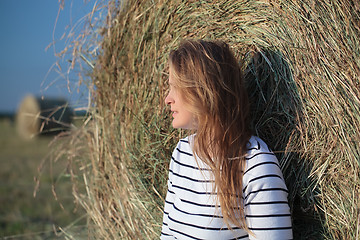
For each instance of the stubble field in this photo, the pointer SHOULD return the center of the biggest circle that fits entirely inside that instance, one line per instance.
(23, 216)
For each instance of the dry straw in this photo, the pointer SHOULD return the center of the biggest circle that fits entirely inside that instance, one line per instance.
(302, 66)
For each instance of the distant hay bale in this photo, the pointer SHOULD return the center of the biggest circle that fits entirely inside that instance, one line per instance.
(302, 63)
(47, 116)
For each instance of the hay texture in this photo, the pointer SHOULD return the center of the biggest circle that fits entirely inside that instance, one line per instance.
(302, 66)
(46, 116)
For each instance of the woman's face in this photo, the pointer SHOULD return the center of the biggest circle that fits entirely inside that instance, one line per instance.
(182, 117)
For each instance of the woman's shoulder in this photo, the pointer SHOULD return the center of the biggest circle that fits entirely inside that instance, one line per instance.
(256, 144)
(258, 152)
(261, 163)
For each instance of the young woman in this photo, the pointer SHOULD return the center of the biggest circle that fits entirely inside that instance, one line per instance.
(223, 182)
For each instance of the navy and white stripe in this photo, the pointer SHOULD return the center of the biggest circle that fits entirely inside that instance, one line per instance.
(191, 211)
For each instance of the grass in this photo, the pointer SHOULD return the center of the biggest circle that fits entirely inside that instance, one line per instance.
(24, 216)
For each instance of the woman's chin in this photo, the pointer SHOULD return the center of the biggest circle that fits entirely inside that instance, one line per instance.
(175, 125)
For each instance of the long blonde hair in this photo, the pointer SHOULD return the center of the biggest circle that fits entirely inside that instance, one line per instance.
(211, 82)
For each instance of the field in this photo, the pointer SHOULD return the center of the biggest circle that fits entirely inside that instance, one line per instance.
(23, 216)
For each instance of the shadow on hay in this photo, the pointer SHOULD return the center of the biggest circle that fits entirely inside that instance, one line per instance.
(276, 111)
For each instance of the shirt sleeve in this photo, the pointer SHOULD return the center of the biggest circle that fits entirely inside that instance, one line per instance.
(265, 194)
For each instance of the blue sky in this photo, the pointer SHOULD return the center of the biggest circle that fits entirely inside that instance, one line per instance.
(26, 30)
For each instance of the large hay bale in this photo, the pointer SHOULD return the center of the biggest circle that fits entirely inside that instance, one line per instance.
(46, 116)
(303, 67)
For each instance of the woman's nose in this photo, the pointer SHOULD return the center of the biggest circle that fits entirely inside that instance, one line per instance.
(169, 99)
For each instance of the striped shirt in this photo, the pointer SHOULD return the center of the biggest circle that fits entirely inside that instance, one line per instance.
(190, 210)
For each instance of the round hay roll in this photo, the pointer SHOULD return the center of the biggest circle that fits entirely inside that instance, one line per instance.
(42, 116)
(303, 65)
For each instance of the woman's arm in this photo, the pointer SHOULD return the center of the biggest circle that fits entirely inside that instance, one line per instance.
(265, 194)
